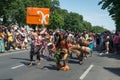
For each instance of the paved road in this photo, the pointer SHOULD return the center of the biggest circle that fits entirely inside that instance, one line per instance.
(14, 66)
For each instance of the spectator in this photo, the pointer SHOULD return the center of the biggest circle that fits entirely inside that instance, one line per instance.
(107, 43)
(10, 39)
(116, 39)
(97, 42)
(102, 40)
(2, 48)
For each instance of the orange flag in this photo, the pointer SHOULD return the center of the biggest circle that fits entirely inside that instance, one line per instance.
(37, 15)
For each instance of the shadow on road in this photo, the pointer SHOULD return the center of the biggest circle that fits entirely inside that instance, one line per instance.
(113, 70)
(50, 67)
(27, 63)
(72, 61)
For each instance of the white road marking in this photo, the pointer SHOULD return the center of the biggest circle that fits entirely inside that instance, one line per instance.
(86, 72)
(15, 67)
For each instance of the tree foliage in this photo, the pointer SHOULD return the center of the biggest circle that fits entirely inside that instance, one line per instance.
(113, 7)
(56, 21)
(98, 29)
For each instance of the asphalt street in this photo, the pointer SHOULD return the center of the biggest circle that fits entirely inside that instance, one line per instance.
(14, 66)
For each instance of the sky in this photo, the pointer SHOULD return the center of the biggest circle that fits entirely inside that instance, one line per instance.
(91, 12)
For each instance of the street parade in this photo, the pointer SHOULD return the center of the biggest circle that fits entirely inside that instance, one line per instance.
(59, 40)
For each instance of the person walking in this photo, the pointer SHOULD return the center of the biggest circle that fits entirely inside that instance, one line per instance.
(34, 48)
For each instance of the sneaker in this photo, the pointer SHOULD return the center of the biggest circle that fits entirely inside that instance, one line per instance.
(106, 52)
(101, 54)
(17, 49)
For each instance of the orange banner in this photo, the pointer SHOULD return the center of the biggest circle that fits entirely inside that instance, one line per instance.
(37, 15)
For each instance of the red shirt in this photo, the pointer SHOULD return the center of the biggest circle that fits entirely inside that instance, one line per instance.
(116, 39)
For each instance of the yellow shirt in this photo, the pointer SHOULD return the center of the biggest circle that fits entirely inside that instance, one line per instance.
(10, 38)
(1, 35)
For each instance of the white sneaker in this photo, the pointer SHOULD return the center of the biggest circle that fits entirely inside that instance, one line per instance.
(101, 54)
(17, 49)
(106, 52)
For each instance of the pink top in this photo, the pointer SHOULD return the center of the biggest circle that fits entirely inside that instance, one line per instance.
(37, 42)
(116, 39)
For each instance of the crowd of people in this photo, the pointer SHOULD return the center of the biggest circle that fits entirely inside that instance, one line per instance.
(17, 38)
(108, 43)
(13, 38)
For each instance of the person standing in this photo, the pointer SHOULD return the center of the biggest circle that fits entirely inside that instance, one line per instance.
(2, 48)
(10, 39)
(107, 44)
(116, 40)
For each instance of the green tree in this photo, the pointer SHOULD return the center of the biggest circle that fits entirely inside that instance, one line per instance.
(14, 11)
(4, 5)
(54, 5)
(73, 21)
(56, 21)
(98, 29)
(87, 25)
(113, 7)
